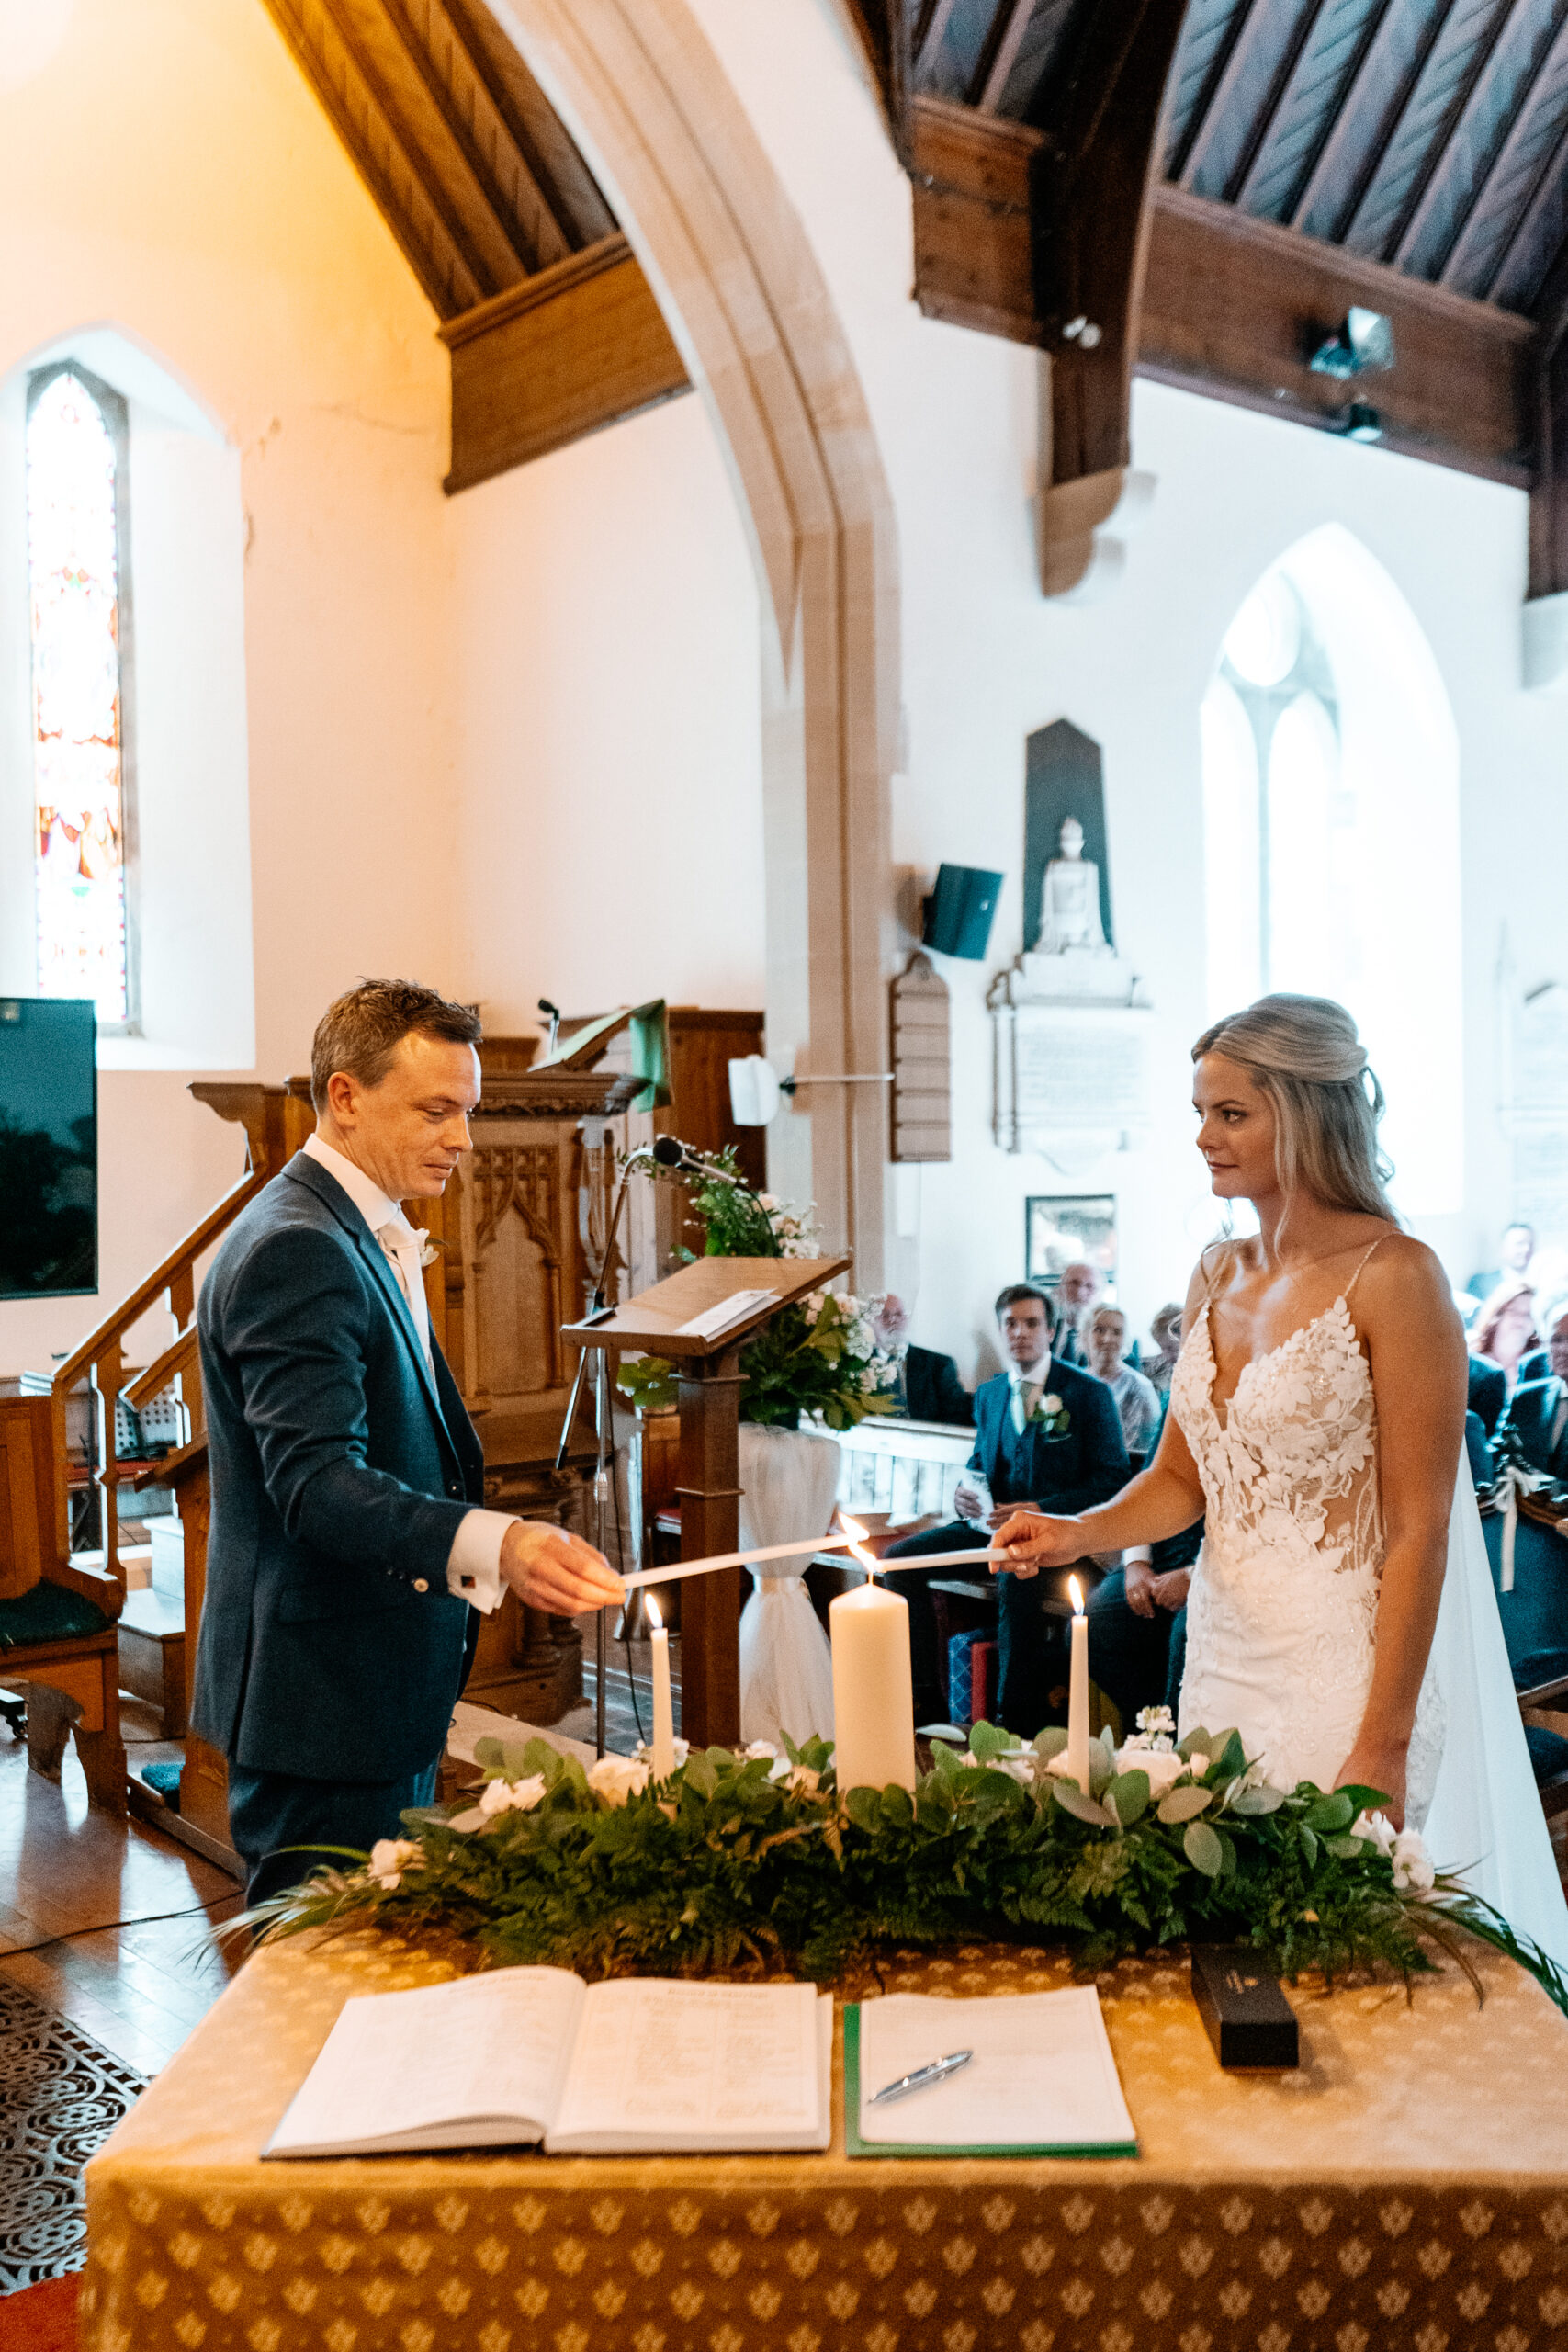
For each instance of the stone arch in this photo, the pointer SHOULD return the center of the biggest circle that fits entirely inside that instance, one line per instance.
(652, 109)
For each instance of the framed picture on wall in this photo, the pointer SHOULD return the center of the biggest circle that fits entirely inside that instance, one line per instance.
(1058, 1229)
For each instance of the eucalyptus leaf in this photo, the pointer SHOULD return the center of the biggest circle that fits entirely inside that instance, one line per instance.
(1309, 1847)
(1050, 1742)
(1346, 1848)
(1251, 1803)
(987, 1740)
(864, 1807)
(487, 1752)
(1331, 1814)
(1071, 1799)
(1231, 1761)
(1203, 1850)
(1184, 1804)
(1197, 1743)
(897, 1806)
(1128, 1797)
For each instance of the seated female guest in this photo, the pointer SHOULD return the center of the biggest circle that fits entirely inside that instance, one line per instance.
(1137, 1399)
(1505, 1329)
(1166, 1333)
(1537, 1411)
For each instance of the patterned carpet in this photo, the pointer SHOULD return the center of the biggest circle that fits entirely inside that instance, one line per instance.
(63, 2096)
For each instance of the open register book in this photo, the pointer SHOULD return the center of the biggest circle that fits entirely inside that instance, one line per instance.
(1042, 2082)
(525, 2054)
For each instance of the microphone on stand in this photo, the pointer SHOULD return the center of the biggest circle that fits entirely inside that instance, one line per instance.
(670, 1152)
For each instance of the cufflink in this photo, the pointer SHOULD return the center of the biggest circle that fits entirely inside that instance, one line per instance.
(420, 1585)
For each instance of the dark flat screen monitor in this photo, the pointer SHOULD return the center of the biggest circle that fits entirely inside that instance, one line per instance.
(49, 1146)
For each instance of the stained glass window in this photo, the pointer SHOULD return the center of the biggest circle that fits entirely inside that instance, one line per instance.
(75, 565)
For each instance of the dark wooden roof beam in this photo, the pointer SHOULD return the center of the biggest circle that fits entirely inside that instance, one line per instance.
(1000, 54)
(437, 48)
(1497, 190)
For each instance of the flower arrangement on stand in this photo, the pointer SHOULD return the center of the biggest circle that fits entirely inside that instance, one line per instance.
(817, 1356)
(759, 1858)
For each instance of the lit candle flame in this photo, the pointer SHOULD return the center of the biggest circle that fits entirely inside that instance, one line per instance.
(1077, 1596)
(868, 1560)
(653, 1612)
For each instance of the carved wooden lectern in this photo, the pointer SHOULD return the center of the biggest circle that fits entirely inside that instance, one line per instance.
(708, 1482)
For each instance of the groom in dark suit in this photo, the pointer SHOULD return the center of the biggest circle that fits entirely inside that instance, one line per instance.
(1043, 1430)
(349, 1548)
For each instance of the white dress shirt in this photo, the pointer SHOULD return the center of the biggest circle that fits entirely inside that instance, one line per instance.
(1028, 1387)
(473, 1565)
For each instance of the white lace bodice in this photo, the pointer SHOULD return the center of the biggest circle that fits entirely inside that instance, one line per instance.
(1292, 1469)
(1283, 1612)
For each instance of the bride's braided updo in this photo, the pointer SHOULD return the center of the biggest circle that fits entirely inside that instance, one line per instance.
(1302, 1052)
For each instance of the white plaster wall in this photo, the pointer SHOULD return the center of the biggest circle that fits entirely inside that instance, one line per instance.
(987, 660)
(166, 171)
(608, 634)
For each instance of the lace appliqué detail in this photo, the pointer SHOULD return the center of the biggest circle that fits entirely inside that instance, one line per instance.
(1282, 1610)
(1293, 1467)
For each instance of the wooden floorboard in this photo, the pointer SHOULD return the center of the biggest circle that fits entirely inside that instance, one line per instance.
(82, 1922)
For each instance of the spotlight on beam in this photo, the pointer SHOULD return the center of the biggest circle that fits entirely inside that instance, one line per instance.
(1363, 345)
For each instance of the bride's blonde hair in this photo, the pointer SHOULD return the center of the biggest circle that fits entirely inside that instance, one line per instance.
(1302, 1052)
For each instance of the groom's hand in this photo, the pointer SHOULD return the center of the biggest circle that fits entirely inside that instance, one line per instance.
(551, 1569)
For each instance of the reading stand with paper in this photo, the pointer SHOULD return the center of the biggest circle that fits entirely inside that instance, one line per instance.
(700, 1319)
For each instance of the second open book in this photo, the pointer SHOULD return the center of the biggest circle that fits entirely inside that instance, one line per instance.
(520, 2055)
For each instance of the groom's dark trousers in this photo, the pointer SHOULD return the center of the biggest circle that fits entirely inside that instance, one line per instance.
(1087, 1463)
(331, 1652)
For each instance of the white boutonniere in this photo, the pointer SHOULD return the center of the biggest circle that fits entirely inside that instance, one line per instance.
(428, 1250)
(1051, 1414)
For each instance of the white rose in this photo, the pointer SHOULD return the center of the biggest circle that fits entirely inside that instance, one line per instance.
(1377, 1830)
(1051, 1404)
(389, 1858)
(1412, 1872)
(1163, 1766)
(616, 1778)
(759, 1747)
(1198, 1764)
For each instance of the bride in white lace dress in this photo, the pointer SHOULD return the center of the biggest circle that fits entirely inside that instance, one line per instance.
(1317, 1417)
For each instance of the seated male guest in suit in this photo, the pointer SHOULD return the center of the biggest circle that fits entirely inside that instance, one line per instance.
(929, 1388)
(1041, 1429)
(1137, 1625)
(349, 1554)
(1537, 1411)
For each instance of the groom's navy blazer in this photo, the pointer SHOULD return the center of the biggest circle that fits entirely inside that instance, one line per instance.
(1086, 1464)
(341, 1468)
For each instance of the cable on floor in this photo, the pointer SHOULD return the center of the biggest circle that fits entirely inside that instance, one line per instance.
(108, 1926)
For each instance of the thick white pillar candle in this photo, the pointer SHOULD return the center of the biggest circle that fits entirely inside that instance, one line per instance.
(874, 1698)
(1078, 1694)
(663, 1746)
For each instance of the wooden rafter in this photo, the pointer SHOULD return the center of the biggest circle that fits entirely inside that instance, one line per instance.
(1513, 160)
(552, 327)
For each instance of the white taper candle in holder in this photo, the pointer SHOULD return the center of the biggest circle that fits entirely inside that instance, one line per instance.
(661, 1750)
(874, 1697)
(1078, 1693)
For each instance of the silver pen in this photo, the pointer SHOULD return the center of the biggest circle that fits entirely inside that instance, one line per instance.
(937, 2072)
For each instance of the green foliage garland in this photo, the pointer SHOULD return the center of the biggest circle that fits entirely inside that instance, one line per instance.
(749, 1860)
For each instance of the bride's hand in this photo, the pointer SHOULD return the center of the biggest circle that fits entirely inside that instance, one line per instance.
(1368, 1766)
(1032, 1541)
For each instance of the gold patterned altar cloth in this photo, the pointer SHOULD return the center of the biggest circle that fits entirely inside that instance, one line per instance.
(1408, 2188)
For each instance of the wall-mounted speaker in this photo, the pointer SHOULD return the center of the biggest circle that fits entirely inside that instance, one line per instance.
(960, 910)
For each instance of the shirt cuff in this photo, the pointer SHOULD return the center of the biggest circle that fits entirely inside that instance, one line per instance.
(1142, 1553)
(473, 1566)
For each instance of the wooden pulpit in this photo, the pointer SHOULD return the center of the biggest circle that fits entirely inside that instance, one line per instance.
(708, 1367)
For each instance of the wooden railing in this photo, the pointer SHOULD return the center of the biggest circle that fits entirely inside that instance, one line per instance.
(265, 1116)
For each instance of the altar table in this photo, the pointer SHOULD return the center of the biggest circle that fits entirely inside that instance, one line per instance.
(1408, 2188)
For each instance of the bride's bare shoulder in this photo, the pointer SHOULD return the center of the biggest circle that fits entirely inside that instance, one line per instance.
(1215, 1269)
(1403, 1276)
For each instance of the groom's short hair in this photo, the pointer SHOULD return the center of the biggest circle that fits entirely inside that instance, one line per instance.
(1016, 1293)
(360, 1032)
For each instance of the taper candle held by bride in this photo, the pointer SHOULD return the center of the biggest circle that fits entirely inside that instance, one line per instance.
(1078, 1693)
(661, 1747)
(874, 1698)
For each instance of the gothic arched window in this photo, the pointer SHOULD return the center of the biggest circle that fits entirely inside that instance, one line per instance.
(78, 600)
(1330, 766)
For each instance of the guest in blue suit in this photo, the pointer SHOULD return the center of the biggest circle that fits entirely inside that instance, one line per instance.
(1538, 1411)
(1041, 1429)
(349, 1549)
